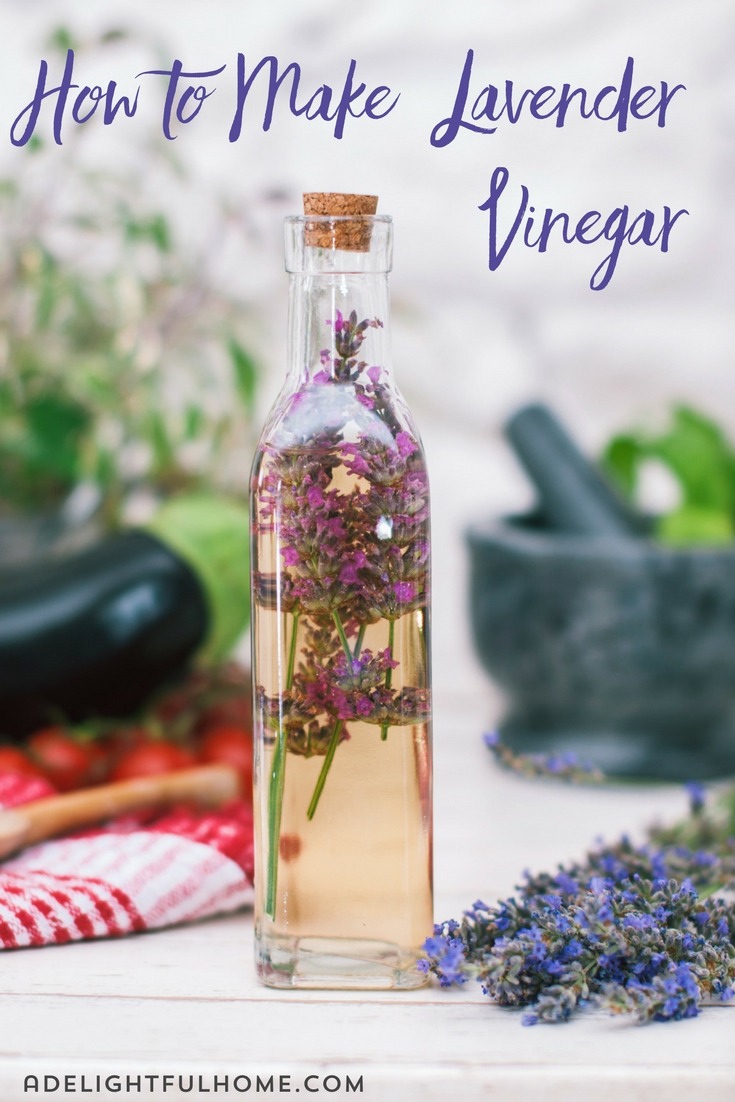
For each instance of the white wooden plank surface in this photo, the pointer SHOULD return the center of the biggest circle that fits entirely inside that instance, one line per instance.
(186, 1001)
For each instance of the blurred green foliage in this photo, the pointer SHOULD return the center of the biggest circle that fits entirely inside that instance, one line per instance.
(123, 355)
(697, 452)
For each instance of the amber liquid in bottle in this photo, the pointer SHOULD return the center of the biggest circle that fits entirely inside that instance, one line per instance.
(343, 815)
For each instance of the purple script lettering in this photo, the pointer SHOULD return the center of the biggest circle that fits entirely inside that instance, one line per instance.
(176, 102)
(492, 105)
(84, 104)
(617, 228)
(318, 105)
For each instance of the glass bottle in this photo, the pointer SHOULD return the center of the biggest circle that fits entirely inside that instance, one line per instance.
(341, 673)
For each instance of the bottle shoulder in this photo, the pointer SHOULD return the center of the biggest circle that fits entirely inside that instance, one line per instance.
(370, 428)
(345, 411)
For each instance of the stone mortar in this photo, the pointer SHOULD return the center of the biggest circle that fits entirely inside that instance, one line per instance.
(622, 650)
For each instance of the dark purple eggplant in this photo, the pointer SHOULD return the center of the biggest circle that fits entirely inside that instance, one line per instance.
(96, 632)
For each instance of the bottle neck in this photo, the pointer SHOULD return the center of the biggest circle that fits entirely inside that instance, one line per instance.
(338, 327)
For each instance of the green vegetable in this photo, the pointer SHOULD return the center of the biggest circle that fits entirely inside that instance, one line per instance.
(212, 535)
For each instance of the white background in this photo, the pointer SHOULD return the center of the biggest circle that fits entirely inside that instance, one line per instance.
(468, 343)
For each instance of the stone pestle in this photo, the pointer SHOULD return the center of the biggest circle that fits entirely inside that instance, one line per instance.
(574, 496)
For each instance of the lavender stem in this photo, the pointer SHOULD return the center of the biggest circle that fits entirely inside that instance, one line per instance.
(333, 744)
(277, 783)
(388, 673)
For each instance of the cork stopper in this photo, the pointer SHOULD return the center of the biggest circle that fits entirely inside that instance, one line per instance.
(353, 235)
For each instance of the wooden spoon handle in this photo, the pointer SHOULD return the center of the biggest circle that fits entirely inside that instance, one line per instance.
(203, 785)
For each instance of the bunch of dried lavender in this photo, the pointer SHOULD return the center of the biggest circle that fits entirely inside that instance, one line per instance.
(562, 766)
(647, 930)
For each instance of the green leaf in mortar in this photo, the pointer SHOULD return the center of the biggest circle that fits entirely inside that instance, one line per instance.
(620, 460)
(690, 524)
(699, 455)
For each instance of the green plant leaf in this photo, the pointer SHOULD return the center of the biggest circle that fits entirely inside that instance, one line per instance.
(56, 424)
(114, 35)
(160, 441)
(155, 229)
(105, 468)
(726, 803)
(193, 422)
(159, 232)
(246, 373)
(61, 39)
(40, 453)
(692, 525)
(96, 332)
(620, 461)
(698, 454)
(47, 292)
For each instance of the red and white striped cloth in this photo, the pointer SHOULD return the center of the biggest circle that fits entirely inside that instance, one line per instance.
(127, 876)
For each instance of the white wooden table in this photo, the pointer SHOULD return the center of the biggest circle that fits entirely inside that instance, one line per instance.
(185, 1001)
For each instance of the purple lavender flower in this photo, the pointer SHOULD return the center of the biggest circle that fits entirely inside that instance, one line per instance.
(406, 446)
(696, 792)
(445, 956)
(562, 766)
(611, 931)
(352, 554)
